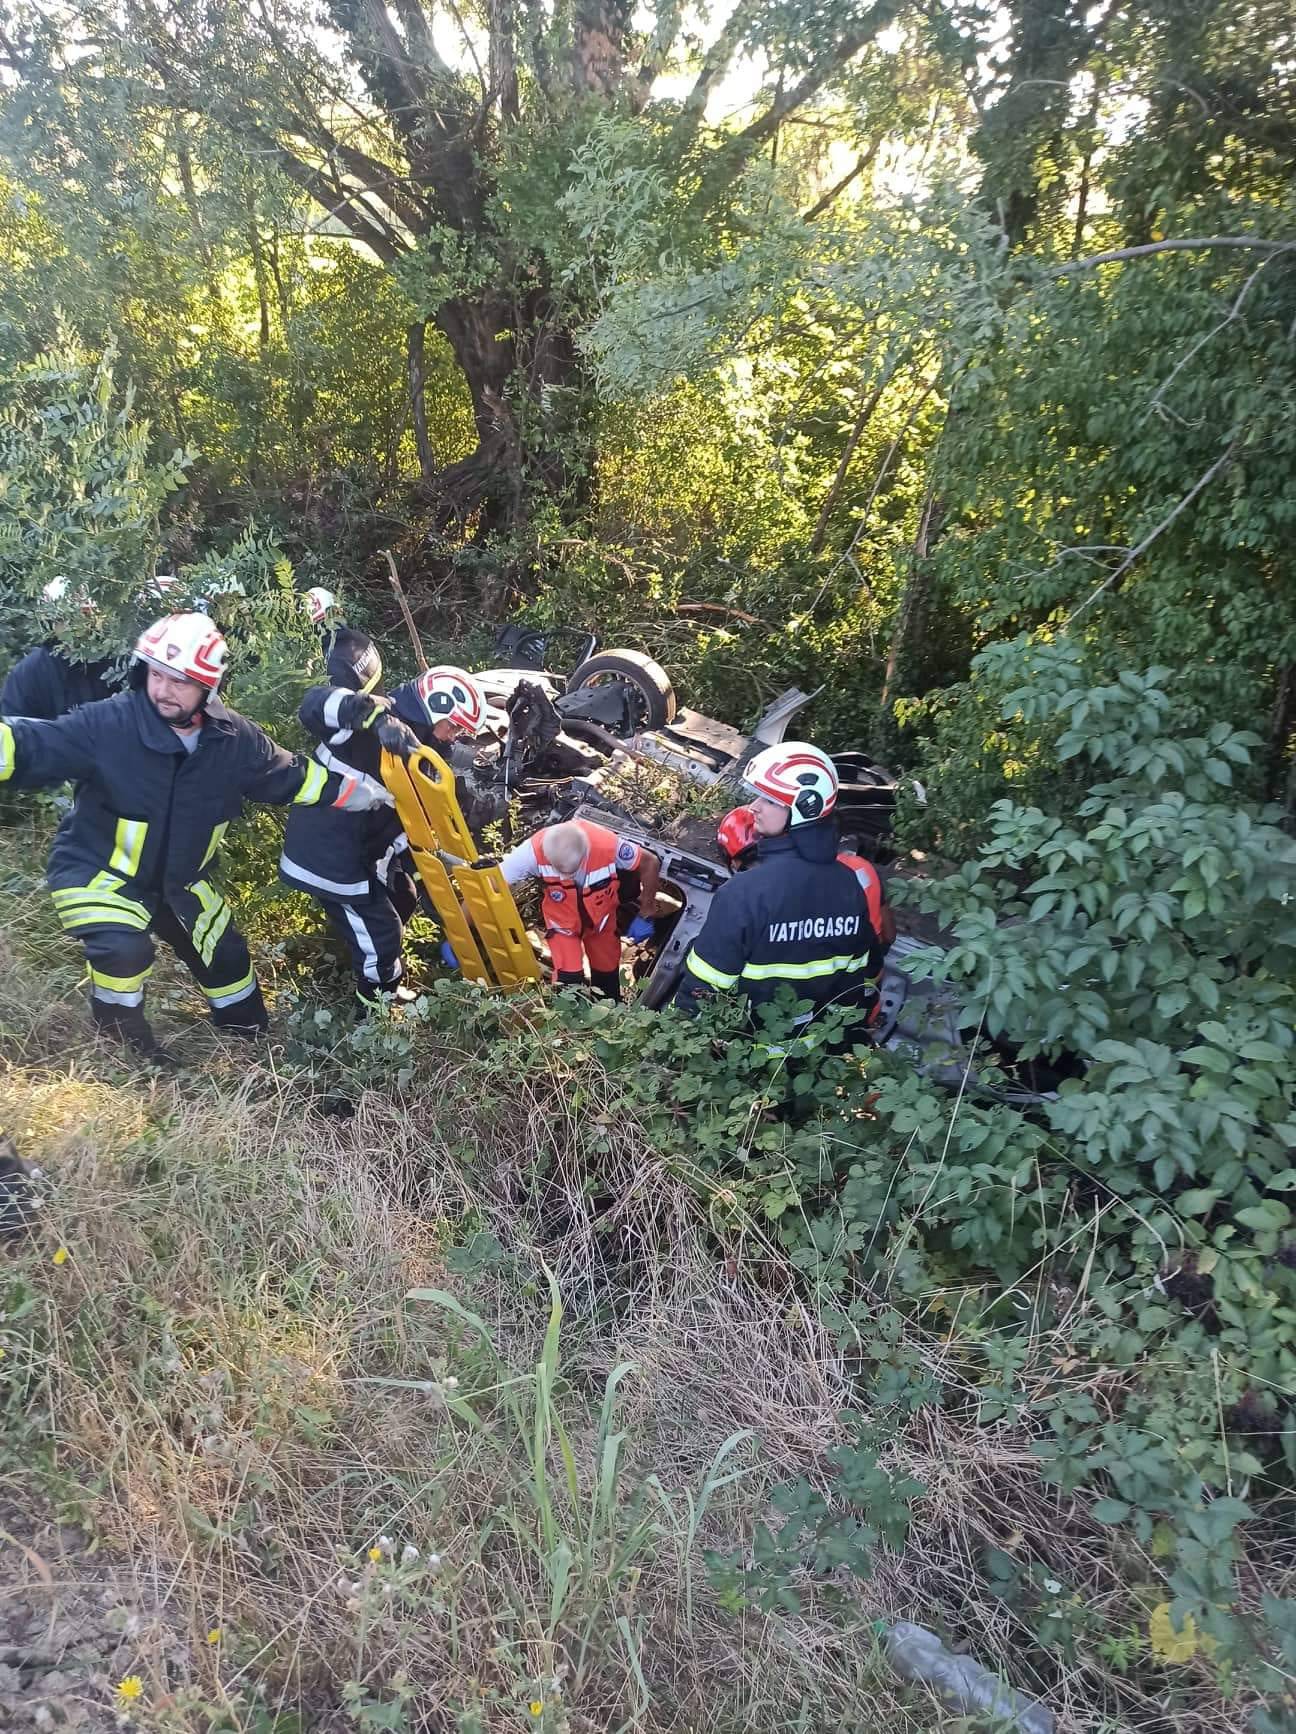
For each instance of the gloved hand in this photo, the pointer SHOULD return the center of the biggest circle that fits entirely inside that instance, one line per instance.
(484, 861)
(361, 794)
(397, 737)
(360, 710)
(447, 955)
(640, 928)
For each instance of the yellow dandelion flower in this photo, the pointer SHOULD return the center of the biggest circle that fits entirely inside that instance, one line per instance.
(130, 1689)
(61, 1257)
(536, 1707)
(375, 1554)
(214, 1635)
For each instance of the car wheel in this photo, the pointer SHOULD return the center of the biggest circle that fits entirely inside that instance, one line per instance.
(650, 681)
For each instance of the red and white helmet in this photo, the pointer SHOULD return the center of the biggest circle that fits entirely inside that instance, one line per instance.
(797, 776)
(319, 604)
(189, 645)
(450, 695)
(736, 832)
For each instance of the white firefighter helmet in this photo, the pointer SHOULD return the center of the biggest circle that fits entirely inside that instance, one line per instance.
(190, 645)
(450, 695)
(797, 776)
(320, 603)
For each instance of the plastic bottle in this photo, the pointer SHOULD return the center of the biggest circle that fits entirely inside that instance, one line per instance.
(919, 1655)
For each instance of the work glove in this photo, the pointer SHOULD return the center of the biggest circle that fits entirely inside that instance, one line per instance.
(397, 737)
(361, 794)
(447, 955)
(484, 861)
(640, 928)
(361, 710)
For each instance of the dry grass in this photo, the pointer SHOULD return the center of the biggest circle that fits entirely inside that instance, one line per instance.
(227, 1368)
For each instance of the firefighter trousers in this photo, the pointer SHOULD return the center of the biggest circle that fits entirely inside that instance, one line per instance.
(209, 945)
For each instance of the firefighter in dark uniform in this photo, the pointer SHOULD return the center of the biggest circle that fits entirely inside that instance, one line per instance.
(799, 917)
(160, 772)
(49, 681)
(358, 867)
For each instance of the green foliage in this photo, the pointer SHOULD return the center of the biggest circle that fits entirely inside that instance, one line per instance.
(823, 1532)
(80, 499)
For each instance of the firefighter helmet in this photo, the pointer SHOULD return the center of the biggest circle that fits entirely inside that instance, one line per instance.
(797, 776)
(189, 645)
(449, 695)
(736, 834)
(319, 604)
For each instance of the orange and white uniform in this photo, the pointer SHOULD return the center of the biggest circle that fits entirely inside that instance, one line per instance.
(580, 910)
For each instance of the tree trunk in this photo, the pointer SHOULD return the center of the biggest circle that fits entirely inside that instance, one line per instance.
(531, 408)
(913, 605)
(416, 354)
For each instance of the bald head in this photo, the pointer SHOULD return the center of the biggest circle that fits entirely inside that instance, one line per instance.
(566, 847)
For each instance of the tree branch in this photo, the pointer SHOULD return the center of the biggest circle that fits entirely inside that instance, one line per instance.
(877, 18)
(1193, 245)
(1113, 580)
(821, 205)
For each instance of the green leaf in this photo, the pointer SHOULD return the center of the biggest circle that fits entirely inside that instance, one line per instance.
(1268, 1214)
(1109, 1511)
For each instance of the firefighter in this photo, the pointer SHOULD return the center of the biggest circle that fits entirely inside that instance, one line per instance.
(799, 917)
(737, 837)
(580, 865)
(48, 681)
(161, 770)
(358, 867)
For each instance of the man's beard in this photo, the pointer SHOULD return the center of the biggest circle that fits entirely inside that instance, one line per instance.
(179, 722)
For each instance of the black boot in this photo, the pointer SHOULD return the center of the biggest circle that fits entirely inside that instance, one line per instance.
(247, 1018)
(128, 1025)
(607, 982)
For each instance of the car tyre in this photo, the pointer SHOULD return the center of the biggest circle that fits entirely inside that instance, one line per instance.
(648, 678)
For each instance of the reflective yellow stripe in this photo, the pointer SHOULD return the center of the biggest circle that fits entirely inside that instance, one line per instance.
(125, 857)
(704, 972)
(217, 838)
(369, 685)
(235, 990)
(213, 921)
(6, 752)
(120, 983)
(312, 785)
(99, 915)
(802, 971)
(102, 896)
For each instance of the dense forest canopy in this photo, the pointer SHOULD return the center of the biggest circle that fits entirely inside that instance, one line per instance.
(786, 338)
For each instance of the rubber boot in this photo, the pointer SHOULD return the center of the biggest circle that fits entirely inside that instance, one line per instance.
(247, 1018)
(128, 1025)
(607, 982)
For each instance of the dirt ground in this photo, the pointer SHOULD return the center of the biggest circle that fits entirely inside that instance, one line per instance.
(73, 1624)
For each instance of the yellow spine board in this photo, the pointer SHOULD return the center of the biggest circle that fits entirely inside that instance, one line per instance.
(424, 791)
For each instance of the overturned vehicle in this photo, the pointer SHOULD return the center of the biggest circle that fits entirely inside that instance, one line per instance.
(558, 744)
(551, 740)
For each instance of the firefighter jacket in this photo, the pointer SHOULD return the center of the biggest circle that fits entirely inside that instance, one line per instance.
(798, 918)
(46, 684)
(338, 854)
(149, 816)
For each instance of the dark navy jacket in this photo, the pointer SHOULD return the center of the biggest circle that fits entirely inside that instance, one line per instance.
(340, 855)
(149, 815)
(46, 684)
(799, 918)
